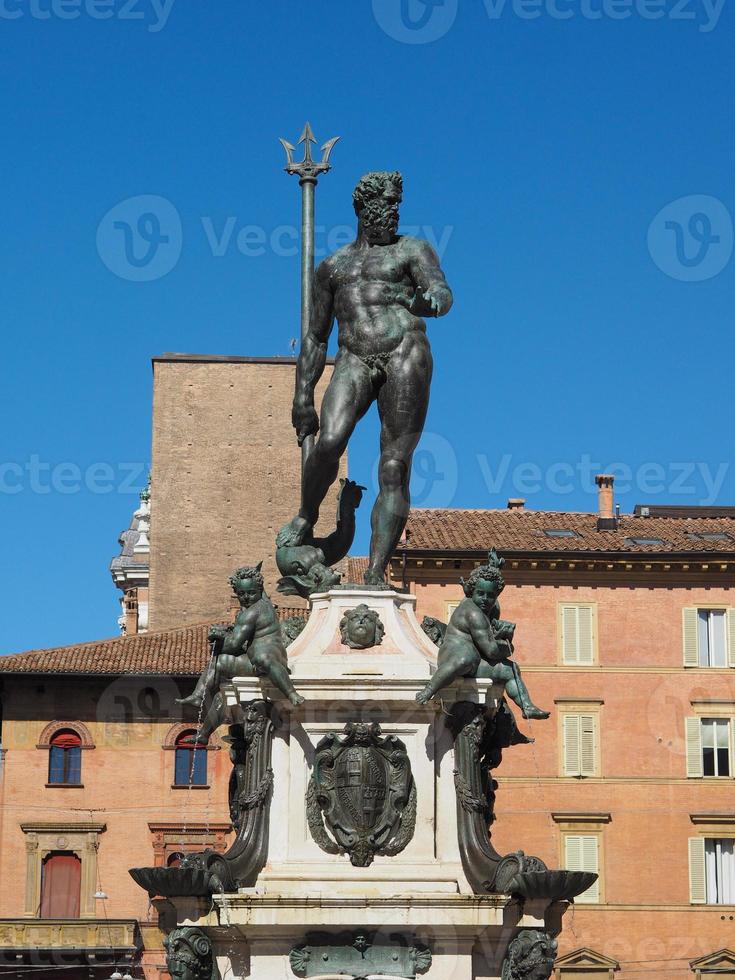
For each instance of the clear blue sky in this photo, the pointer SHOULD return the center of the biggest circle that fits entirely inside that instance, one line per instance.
(537, 148)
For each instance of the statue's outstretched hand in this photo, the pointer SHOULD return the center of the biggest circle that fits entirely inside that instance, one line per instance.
(439, 300)
(304, 420)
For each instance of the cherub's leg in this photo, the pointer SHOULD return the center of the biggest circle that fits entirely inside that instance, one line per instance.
(271, 664)
(221, 668)
(517, 690)
(203, 684)
(214, 717)
(446, 672)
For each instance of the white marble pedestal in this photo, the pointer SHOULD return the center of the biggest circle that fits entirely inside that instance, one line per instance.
(422, 892)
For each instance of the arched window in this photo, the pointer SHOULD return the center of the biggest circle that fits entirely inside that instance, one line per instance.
(190, 767)
(65, 759)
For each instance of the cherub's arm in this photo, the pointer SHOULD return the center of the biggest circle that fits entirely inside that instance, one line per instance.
(313, 354)
(238, 638)
(433, 295)
(483, 638)
(336, 545)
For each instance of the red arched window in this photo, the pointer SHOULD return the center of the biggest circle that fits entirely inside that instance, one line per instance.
(61, 878)
(65, 758)
(190, 765)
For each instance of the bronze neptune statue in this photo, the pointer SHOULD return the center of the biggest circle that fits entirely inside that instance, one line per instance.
(380, 287)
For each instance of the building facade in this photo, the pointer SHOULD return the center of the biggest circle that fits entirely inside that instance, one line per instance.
(626, 634)
(98, 775)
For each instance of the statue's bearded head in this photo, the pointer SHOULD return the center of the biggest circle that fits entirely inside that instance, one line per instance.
(376, 199)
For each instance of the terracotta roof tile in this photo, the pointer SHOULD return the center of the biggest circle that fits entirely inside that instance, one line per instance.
(524, 530)
(179, 651)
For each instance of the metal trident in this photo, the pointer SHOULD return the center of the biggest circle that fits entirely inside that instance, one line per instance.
(308, 171)
(308, 168)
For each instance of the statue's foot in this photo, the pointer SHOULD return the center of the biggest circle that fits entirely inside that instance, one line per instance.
(533, 712)
(293, 534)
(193, 701)
(296, 699)
(374, 576)
(424, 696)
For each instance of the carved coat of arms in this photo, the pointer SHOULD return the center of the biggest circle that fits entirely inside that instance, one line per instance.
(363, 790)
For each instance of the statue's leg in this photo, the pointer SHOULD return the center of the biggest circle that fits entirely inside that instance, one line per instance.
(451, 667)
(517, 691)
(205, 683)
(224, 667)
(272, 662)
(402, 402)
(347, 398)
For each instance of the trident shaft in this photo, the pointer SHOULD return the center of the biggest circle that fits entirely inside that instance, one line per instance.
(308, 171)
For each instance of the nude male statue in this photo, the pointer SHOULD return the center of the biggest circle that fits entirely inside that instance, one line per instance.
(379, 288)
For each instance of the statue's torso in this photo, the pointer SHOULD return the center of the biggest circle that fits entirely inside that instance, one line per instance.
(372, 288)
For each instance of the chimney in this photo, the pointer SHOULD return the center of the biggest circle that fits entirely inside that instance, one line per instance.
(516, 503)
(605, 502)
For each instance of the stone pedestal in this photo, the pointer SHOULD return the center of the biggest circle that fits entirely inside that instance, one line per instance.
(420, 894)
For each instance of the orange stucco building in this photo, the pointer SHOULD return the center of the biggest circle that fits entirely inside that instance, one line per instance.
(626, 634)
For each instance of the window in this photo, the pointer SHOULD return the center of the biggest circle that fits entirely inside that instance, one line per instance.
(61, 879)
(577, 623)
(560, 532)
(451, 606)
(65, 759)
(709, 536)
(582, 853)
(190, 765)
(579, 744)
(645, 541)
(708, 747)
(712, 870)
(709, 637)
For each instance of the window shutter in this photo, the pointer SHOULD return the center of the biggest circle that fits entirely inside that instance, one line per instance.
(691, 653)
(584, 623)
(581, 853)
(697, 876)
(587, 765)
(731, 637)
(569, 635)
(693, 730)
(572, 748)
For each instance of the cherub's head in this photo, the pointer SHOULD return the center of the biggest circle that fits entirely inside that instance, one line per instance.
(247, 584)
(483, 586)
(376, 199)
